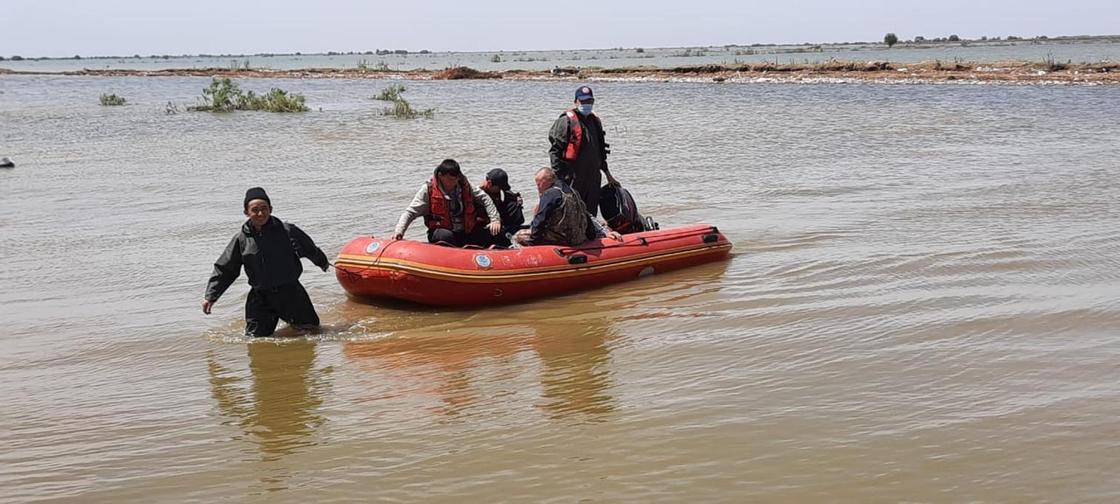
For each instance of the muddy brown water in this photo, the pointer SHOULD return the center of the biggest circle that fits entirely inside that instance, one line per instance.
(923, 302)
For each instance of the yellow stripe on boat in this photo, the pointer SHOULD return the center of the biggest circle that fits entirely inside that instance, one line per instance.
(368, 263)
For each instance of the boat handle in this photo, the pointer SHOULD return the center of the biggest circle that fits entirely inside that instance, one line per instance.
(711, 238)
(577, 259)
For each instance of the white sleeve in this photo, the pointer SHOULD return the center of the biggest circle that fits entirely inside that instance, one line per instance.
(417, 208)
(487, 203)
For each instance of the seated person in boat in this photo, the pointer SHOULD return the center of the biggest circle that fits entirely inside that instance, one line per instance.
(561, 217)
(451, 208)
(269, 250)
(509, 204)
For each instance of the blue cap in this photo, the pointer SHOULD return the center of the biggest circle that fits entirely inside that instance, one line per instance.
(584, 93)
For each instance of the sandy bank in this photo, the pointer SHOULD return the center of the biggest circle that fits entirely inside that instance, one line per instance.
(828, 72)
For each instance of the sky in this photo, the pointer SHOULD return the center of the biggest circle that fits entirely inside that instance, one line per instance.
(56, 28)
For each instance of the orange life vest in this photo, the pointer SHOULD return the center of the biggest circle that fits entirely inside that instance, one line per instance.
(439, 212)
(575, 134)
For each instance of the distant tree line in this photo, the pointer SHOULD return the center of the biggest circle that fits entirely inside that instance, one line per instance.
(890, 39)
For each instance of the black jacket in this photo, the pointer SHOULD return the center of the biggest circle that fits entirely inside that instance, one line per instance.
(584, 173)
(512, 210)
(270, 257)
(592, 153)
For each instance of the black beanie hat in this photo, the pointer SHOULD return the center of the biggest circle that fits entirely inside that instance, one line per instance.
(256, 193)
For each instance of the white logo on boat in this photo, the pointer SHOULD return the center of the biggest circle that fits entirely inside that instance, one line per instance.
(483, 261)
(372, 247)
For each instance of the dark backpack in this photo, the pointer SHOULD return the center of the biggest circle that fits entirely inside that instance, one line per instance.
(620, 211)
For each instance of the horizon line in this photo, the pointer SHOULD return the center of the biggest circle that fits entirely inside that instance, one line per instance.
(378, 51)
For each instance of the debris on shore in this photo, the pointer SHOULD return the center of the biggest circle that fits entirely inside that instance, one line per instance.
(1021, 72)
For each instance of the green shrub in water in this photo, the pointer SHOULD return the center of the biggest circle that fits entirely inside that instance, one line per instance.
(391, 93)
(401, 109)
(112, 99)
(223, 95)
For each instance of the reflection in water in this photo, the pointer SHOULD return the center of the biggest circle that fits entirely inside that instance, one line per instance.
(278, 412)
(465, 366)
(440, 365)
(575, 372)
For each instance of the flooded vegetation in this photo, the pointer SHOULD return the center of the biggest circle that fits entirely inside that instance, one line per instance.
(112, 100)
(224, 95)
(400, 107)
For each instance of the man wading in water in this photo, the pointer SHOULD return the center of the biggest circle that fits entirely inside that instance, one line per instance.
(270, 251)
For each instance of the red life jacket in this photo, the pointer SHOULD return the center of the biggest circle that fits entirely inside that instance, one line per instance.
(575, 133)
(439, 212)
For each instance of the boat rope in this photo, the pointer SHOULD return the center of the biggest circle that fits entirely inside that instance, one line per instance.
(355, 275)
(641, 241)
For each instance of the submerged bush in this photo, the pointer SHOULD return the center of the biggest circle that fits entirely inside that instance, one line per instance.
(391, 93)
(276, 100)
(401, 109)
(112, 99)
(223, 95)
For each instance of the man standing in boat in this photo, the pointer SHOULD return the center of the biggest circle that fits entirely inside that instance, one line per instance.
(270, 251)
(561, 218)
(450, 206)
(509, 204)
(579, 149)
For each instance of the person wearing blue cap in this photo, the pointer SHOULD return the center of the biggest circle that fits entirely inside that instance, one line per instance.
(579, 149)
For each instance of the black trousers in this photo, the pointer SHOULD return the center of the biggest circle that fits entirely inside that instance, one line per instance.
(265, 307)
(480, 236)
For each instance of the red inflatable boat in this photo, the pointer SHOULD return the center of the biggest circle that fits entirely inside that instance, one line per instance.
(446, 276)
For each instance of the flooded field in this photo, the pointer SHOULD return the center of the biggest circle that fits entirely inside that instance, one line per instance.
(1074, 51)
(922, 303)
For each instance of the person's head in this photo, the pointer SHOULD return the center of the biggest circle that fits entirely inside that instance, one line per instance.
(585, 99)
(545, 178)
(496, 182)
(448, 173)
(258, 208)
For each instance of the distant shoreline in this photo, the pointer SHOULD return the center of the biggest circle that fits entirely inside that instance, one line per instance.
(917, 42)
(1014, 72)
